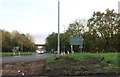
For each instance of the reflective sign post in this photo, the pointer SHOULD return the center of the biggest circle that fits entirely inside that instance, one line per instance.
(72, 49)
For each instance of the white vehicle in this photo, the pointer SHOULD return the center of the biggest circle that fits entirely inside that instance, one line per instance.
(40, 51)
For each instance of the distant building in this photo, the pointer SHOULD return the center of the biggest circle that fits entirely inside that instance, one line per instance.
(119, 7)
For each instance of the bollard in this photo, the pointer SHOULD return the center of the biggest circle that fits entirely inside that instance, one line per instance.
(61, 53)
(14, 53)
(67, 52)
(19, 53)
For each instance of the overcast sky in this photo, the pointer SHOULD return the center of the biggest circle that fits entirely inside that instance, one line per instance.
(39, 17)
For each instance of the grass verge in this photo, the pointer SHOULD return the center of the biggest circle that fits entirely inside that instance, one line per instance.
(5, 54)
(92, 62)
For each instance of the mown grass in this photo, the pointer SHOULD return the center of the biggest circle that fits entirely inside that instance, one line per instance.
(5, 54)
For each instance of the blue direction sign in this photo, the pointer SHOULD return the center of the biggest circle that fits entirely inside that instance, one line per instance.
(76, 40)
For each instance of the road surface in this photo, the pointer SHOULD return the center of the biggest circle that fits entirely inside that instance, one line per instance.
(26, 58)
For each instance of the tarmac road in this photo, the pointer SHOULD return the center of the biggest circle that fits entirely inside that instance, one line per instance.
(27, 58)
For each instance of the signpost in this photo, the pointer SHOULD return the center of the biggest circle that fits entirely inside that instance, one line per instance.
(15, 49)
(76, 41)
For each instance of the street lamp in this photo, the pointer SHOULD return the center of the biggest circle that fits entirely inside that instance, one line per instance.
(119, 7)
(58, 27)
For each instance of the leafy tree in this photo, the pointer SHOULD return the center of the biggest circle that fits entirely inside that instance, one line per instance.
(100, 35)
(64, 42)
(13, 39)
(77, 28)
(51, 42)
(6, 41)
(104, 25)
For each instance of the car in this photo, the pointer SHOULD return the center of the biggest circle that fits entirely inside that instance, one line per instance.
(45, 51)
(40, 51)
(55, 52)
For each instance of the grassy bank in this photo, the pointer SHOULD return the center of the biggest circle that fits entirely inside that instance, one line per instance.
(108, 57)
(5, 54)
(84, 63)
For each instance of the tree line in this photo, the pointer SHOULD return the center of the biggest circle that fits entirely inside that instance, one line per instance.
(9, 40)
(100, 33)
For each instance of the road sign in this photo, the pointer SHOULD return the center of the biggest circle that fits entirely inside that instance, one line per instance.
(15, 49)
(76, 40)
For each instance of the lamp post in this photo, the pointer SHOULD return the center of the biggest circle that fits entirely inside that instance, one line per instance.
(119, 7)
(58, 27)
(118, 22)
